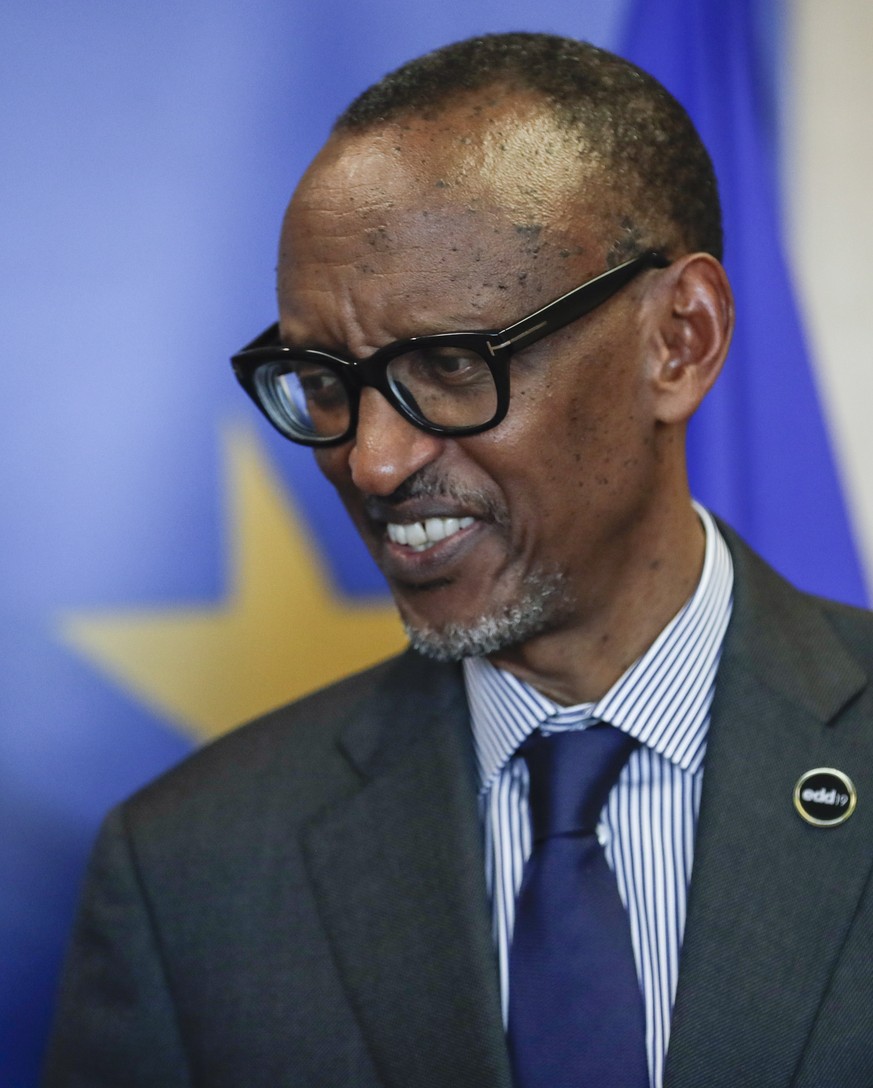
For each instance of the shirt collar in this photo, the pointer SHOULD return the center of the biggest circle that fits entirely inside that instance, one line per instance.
(663, 699)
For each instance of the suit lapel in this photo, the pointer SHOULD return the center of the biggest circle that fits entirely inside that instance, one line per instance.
(771, 897)
(398, 875)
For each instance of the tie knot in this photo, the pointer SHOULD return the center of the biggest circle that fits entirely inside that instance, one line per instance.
(571, 774)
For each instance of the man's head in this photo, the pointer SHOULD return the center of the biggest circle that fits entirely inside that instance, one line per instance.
(463, 192)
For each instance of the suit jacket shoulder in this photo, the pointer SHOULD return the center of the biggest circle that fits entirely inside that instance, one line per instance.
(307, 753)
(302, 902)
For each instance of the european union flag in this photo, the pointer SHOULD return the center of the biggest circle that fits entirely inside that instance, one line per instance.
(166, 573)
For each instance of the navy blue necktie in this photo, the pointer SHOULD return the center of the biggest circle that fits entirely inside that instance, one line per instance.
(576, 1016)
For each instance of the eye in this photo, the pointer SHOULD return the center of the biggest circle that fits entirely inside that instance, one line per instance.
(450, 367)
(447, 385)
(320, 387)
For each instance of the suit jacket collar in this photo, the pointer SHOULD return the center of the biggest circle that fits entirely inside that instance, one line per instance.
(771, 897)
(418, 961)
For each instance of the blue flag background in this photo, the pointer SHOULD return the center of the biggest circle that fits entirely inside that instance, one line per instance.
(759, 453)
(170, 566)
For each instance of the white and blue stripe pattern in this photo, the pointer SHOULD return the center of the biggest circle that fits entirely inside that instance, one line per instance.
(649, 820)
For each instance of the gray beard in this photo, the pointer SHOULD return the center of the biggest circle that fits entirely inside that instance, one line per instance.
(540, 608)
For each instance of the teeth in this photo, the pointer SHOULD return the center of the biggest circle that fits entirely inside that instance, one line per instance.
(416, 536)
(420, 535)
(440, 528)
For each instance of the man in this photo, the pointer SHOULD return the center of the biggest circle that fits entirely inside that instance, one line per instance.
(341, 893)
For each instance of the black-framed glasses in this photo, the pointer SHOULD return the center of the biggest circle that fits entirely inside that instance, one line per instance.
(449, 383)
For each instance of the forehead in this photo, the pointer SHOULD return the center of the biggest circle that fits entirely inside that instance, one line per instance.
(488, 202)
(499, 148)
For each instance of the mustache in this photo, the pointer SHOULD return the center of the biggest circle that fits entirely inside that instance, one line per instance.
(429, 483)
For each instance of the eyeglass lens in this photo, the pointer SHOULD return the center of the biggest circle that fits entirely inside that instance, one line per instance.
(441, 385)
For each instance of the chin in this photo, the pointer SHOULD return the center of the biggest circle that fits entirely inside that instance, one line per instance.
(541, 606)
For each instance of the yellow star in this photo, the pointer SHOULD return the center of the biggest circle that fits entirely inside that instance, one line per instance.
(281, 631)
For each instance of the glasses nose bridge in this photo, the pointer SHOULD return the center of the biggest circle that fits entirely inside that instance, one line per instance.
(371, 372)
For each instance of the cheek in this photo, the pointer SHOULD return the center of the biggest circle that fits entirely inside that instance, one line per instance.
(334, 465)
(333, 460)
(570, 448)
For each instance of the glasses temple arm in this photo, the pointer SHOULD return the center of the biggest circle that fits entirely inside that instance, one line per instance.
(576, 303)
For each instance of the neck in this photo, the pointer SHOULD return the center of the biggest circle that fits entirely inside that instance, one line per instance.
(580, 661)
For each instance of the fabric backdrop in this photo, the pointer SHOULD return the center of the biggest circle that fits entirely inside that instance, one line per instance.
(171, 567)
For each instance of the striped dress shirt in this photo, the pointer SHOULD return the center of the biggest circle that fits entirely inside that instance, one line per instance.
(648, 824)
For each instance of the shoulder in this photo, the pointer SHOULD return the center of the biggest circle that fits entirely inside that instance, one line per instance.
(854, 625)
(759, 588)
(815, 650)
(293, 761)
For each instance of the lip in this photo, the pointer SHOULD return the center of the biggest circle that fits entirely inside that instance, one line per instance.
(445, 561)
(382, 511)
(401, 563)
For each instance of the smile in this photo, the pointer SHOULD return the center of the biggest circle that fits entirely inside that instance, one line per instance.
(421, 535)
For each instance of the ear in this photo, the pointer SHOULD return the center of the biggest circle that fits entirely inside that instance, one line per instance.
(694, 321)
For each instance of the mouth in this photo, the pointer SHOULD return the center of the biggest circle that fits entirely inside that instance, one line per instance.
(430, 551)
(421, 536)
(429, 533)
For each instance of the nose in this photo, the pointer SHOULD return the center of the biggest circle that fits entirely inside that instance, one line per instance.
(387, 449)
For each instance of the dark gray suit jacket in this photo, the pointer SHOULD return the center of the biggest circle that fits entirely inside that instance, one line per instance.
(302, 904)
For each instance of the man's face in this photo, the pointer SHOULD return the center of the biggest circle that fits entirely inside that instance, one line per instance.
(492, 540)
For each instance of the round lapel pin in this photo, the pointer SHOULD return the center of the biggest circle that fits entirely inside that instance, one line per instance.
(825, 797)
